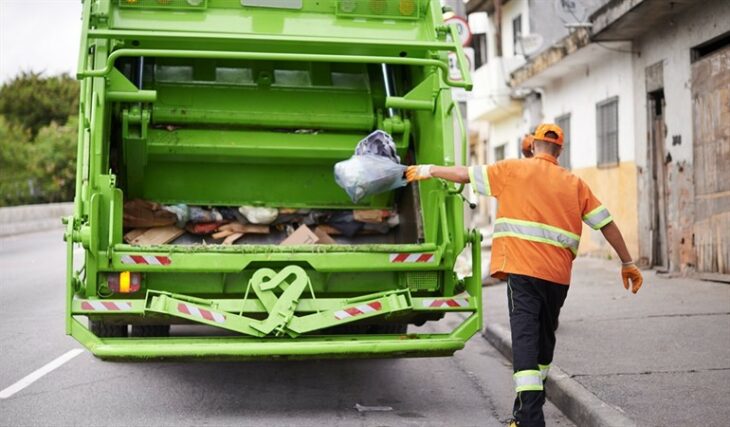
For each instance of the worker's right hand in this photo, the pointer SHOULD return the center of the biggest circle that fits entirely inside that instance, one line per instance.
(418, 172)
(527, 146)
(629, 272)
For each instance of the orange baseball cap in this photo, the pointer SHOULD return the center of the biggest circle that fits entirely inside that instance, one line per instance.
(549, 127)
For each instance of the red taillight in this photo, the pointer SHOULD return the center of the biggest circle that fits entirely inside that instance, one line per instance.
(124, 282)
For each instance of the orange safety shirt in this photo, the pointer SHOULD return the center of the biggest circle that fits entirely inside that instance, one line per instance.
(539, 213)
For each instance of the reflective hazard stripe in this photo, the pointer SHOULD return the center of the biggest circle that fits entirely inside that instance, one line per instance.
(202, 313)
(536, 232)
(96, 305)
(527, 381)
(358, 310)
(598, 218)
(448, 302)
(544, 369)
(411, 257)
(480, 180)
(146, 259)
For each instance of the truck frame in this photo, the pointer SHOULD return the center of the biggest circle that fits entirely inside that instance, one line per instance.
(195, 101)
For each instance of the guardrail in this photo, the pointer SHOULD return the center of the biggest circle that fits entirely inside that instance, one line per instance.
(30, 218)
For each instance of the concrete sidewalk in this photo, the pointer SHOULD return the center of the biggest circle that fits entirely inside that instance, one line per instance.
(659, 358)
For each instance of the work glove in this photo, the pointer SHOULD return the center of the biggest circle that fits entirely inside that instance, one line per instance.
(629, 271)
(418, 172)
(527, 146)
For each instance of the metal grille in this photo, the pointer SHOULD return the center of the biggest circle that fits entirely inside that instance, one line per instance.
(564, 123)
(164, 4)
(422, 280)
(607, 132)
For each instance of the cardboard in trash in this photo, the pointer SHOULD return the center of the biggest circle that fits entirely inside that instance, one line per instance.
(304, 236)
(324, 238)
(370, 215)
(158, 236)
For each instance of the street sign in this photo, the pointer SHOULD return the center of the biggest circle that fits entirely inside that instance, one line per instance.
(462, 27)
(454, 73)
(460, 94)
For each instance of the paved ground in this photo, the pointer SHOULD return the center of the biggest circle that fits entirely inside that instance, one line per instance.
(471, 389)
(662, 356)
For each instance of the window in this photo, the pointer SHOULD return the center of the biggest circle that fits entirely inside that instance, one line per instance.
(564, 123)
(479, 43)
(516, 33)
(499, 152)
(607, 132)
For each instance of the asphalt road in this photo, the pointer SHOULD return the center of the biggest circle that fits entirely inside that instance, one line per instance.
(473, 388)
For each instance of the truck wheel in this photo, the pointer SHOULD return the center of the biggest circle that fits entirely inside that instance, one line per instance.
(150, 330)
(391, 328)
(107, 330)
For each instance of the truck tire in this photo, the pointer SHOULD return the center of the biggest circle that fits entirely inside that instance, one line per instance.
(150, 330)
(107, 330)
(391, 328)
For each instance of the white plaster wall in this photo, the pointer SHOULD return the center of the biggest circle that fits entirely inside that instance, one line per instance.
(578, 93)
(671, 45)
(507, 132)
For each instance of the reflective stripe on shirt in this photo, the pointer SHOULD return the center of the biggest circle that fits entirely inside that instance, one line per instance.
(598, 218)
(480, 180)
(536, 232)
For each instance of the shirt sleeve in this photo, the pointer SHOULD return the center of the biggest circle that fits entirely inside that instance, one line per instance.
(594, 213)
(489, 180)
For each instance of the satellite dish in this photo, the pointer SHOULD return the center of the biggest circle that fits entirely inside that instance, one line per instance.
(571, 11)
(530, 43)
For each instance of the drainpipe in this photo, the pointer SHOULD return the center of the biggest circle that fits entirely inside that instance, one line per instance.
(498, 26)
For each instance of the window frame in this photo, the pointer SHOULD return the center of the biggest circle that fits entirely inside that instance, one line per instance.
(480, 44)
(564, 159)
(516, 33)
(603, 151)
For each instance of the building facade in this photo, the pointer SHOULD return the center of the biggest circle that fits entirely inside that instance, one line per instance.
(643, 94)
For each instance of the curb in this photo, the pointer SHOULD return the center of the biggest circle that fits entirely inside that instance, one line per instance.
(17, 220)
(577, 403)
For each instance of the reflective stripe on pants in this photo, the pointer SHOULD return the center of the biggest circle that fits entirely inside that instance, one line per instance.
(544, 369)
(529, 380)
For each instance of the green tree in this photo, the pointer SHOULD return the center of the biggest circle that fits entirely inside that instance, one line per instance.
(53, 160)
(31, 100)
(16, 180)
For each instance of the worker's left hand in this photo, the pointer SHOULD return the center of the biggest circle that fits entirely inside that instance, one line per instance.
(418, 172)
(629, 272)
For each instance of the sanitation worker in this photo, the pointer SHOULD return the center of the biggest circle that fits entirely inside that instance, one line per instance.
(536, 235)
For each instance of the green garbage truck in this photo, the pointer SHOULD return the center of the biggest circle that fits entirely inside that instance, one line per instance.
(250, 103)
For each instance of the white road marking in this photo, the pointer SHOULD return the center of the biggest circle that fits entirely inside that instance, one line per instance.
(40, 372)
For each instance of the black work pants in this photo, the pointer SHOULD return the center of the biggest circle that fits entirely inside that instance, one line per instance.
(534, 306)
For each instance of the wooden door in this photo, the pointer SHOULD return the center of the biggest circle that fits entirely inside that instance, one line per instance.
(711, 150)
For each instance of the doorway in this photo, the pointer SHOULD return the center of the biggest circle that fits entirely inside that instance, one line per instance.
(658, 166)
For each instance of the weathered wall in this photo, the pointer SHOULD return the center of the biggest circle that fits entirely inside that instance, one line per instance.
(670, 44)
(616, 189)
